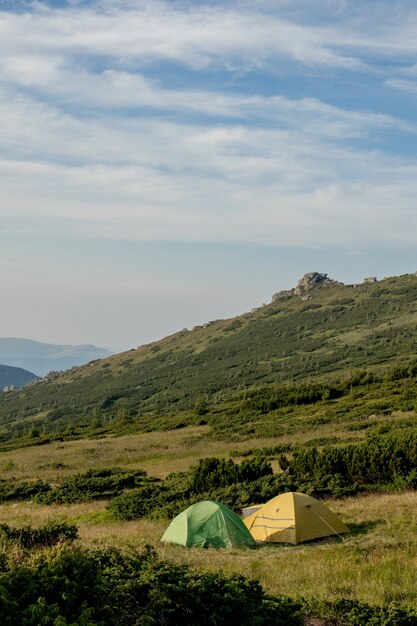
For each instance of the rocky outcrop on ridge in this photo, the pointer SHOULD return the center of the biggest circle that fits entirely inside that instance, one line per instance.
(282, 294)
(306, 283)
(311, 280)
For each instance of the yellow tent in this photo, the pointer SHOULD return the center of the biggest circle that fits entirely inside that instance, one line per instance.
(291, 518)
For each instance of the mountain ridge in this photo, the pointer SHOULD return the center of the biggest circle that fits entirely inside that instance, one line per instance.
(43, 357)
(11, 377)
(337, 330)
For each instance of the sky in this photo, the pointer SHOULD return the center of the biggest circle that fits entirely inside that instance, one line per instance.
(163, 164)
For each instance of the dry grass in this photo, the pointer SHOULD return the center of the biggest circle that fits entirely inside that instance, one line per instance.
(375, 563)
(159, 453)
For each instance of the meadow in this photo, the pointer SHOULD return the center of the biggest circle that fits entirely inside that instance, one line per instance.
(237, 410)
(375, 563)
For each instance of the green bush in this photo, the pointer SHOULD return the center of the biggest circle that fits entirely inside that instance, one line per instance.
(211, 479)
(47, 535)
(389, 459)
(93, 485)
(69, 586)
(213, 473)
(354, 613)
(139, 502)
(11, 489)
(380, 462)
(110, 588)
(268, 399)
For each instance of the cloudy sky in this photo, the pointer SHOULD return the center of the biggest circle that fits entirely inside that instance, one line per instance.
(167, 163)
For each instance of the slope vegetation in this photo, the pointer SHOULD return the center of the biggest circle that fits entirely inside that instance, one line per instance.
(323, 336)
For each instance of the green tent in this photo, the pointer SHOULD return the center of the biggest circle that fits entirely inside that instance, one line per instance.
(208, 523)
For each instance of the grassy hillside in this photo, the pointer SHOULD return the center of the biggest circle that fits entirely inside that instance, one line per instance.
(317, 395)
(296, 341)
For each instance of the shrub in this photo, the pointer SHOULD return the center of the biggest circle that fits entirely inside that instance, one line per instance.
(93, 485)
(11, 489)
(138, 502)
(87, 588)
(212, 473)
(201, 407)
(211, 479)
(389, 459)
(47, 535)
(354, 613)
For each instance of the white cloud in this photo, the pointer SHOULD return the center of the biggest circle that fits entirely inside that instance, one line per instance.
(30, 70)
(410, 86)
(183, 121)
(91, 139)
(121, 90)
(194, 35)
(286, 194)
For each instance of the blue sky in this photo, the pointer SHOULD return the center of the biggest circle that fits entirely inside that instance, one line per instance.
(167, 163)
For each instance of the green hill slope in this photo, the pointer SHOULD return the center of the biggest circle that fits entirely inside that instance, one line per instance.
(321, 335)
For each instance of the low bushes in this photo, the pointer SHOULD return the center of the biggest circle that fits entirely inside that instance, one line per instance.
(380, 461)
(139, 502)
(211, 479)
(11, 489)
(89, 485)
(108, 587)
(47, 535)
(93, 485)
(212, 473)
(74, 586)
(354, 613)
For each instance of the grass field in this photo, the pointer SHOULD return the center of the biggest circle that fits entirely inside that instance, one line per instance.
(375, 563)
(159, 453)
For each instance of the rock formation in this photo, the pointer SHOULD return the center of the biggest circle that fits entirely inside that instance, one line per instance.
(306, 283)
(311, 280)
(282, 294)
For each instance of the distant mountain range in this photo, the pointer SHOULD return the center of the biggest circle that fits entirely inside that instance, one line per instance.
(15, 377)
(42, 358)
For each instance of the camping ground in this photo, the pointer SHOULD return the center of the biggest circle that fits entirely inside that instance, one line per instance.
(375, 563)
